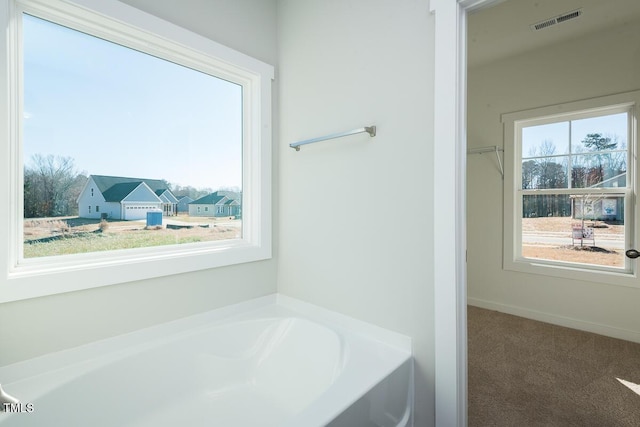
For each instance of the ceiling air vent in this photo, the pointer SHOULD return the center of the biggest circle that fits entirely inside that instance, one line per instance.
(556, 20)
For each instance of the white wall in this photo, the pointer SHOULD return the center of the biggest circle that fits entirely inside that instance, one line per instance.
(37, 326)
(598, 65)
(248, 26)
(356, 216)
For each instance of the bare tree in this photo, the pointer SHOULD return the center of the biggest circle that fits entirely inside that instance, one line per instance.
(545, 171)
(51, 186)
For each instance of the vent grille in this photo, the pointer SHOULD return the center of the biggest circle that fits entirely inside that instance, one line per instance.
(556, 20)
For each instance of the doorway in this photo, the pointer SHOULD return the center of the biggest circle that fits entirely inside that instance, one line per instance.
(531, 69)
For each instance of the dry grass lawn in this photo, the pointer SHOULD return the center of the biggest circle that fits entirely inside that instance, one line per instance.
(71, 235)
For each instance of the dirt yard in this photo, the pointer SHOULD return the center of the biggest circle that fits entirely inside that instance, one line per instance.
(70, 235)
(550, 239)
(564, 224)
(576, 254)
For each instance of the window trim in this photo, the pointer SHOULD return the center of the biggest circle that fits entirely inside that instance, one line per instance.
(513, 211)
(125, 25)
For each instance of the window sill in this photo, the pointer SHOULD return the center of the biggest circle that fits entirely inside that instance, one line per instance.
(572, 271)
(42, 279)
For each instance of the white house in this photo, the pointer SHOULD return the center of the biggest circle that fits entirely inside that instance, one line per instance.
(217, 204)
(169, 202)
(116, 197)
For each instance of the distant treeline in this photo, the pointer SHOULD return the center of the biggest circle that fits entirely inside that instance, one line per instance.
(52, 185)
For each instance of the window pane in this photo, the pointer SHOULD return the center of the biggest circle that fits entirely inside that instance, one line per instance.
(545, 173)
(599, 170)
(123, 149)
(585, 229)
(545, 140)
(599, 133)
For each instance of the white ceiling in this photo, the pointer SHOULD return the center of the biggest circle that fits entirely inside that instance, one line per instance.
(504, 30)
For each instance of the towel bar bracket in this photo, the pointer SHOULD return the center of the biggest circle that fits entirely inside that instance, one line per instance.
(371, 130)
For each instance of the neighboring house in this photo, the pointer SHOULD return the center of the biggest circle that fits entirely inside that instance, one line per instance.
(598, 208)
(183, 204)
(169, 202)
(217, 204)
(117, 197)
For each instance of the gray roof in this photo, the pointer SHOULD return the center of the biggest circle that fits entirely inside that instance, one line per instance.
(166, 196)
(117, 192)
(209, 199)
(116, 188)
(217, 197)
(230, 194)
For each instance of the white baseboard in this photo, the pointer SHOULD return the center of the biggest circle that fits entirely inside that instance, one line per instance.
(555, 319)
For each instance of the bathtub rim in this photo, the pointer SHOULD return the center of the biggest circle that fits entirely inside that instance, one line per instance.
(323, 410)
(163, 332)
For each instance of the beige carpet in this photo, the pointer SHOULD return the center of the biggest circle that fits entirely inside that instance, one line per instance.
(528, 373)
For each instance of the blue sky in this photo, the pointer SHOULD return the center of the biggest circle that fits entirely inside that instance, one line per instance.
(116, 111)
(614, 125)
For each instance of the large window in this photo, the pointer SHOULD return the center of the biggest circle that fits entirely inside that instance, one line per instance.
(133, 150)
(569, 188)
(104, 123)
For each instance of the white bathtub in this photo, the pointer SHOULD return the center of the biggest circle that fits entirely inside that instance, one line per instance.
(273, 361)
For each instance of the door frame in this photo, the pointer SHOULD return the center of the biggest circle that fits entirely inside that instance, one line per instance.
(450, 153)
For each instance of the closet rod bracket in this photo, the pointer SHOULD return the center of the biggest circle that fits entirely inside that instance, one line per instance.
(491, 149)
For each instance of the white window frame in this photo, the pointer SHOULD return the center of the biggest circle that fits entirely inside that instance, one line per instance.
(513, 124)
(109, 19)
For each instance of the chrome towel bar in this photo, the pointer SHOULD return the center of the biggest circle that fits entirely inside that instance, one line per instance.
(371, 130)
